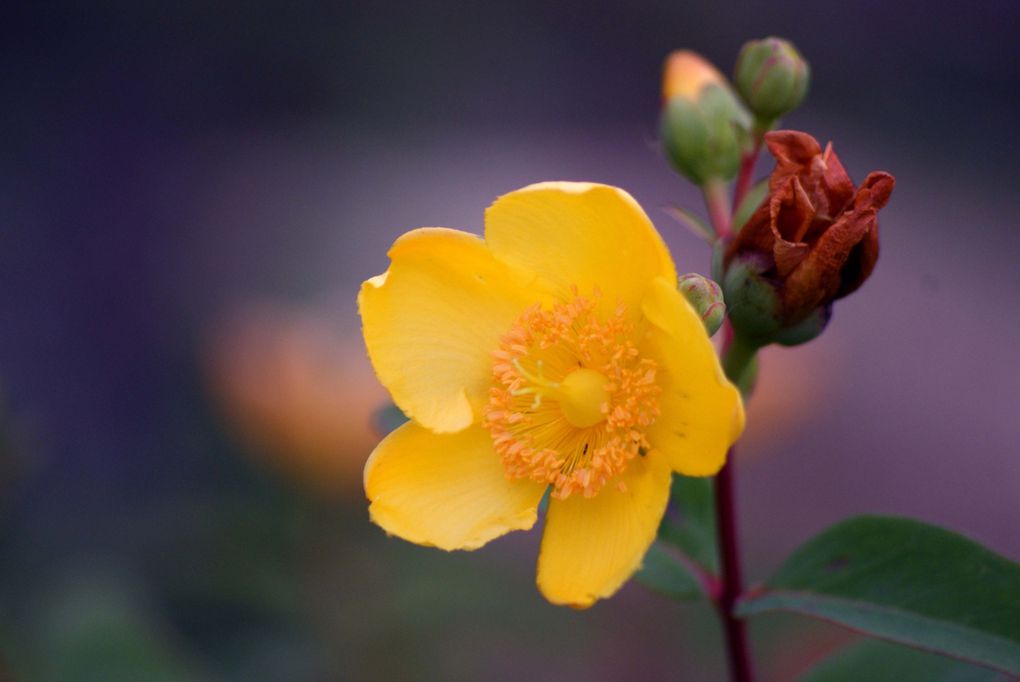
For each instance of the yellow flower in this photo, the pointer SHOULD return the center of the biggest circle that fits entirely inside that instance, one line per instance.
(554, 354)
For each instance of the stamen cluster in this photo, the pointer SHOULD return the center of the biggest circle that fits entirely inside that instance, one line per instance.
(525, 416)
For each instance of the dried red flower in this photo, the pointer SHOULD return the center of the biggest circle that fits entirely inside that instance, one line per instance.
(814, 239)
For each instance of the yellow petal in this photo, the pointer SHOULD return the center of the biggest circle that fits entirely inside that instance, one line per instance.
(702, 414)
(591, 546)
(432, 321)
(572, 233)
(446, 490)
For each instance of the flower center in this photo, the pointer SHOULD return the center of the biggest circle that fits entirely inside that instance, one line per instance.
(580, 395)
(571, 396)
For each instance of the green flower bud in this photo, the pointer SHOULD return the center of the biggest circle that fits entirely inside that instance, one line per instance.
(754, 304)
(772, 78)
(806, 330)
(706, 298)
(703, 125)
(756, 307)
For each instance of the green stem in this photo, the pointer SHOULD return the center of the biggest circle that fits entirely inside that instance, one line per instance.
(740, 362)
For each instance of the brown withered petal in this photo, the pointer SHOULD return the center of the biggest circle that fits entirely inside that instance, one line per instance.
(818, 232)
(756, 235)
(822, 175)
(820, 277)
(861, 261)
(791, 214)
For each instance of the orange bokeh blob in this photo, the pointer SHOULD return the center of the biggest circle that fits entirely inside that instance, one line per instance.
(297, 391)
(792, 389)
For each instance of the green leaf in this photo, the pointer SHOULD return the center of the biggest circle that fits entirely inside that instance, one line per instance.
(877, 661)
(666, 574)
(749, 204)
(906, 581)
(691, 524)
(387, 418)
(692, 222)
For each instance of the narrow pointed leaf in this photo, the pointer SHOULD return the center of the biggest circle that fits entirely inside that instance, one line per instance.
(905, 581)
(877, 661)
(664, 573)
(692, 222)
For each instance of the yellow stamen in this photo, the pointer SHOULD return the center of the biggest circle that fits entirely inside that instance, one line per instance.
(579, 416)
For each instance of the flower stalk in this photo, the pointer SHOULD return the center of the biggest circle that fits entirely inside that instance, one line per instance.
(739, 360)
(732, 582)
(717, 203)
(746, 172)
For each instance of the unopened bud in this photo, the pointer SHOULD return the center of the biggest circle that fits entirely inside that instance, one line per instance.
(807, 329)
(686, 73)
(756, 307)
(703, 123)
(706, 297)
(772, 78)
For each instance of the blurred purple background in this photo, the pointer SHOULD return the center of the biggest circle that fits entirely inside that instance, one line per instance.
(191, 195)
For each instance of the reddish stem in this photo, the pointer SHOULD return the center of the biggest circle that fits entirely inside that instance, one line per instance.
(732, 582)
(718, 207)
(746, 173)
(738, 359)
